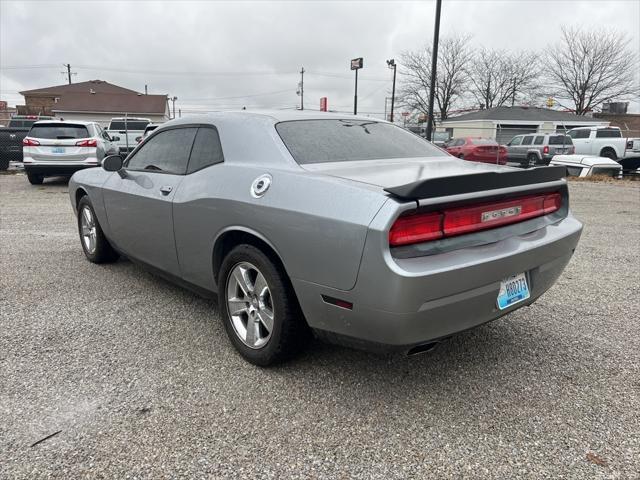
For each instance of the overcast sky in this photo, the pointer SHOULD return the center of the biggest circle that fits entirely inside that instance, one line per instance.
(210, 53)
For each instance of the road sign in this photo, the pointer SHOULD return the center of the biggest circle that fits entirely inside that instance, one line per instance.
(356, 63)
(405, 114)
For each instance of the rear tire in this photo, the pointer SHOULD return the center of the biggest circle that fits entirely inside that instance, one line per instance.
(461, 156)
(95, 245)
(259, 308)
(609, 153)
(532, 160)
(35, 179)
(4, 164)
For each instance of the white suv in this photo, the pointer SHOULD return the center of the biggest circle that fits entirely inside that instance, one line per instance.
(53, 148)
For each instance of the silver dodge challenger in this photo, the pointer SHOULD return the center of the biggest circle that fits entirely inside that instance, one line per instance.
(343, 226)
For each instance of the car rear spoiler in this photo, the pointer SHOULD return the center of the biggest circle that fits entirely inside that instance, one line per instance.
(476, 182)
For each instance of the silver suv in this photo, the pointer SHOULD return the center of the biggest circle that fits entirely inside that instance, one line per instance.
(56, 148)
(538, 148)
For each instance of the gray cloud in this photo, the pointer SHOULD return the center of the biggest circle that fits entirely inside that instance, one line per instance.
(207, 51)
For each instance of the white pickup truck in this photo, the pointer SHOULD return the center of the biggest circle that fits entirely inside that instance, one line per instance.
(604, 142)
(128, 129)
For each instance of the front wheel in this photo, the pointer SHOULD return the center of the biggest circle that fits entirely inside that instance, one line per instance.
(258, 306)
(95, 245)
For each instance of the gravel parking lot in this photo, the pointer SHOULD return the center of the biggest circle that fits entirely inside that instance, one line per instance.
(138, 377)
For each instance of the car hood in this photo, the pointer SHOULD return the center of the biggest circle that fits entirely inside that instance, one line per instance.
(586, 160)
(393, 172)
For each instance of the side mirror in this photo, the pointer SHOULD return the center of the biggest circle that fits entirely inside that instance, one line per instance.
(112, 163)
(115, 139)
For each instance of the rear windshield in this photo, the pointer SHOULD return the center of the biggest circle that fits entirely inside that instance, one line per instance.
(483, 141)
(131, 125)
(58, 132)
(317, 141)
(560, 140)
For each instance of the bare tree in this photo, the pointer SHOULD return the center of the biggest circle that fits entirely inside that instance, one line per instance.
(502, 78)
(592, 67)
(454, 55)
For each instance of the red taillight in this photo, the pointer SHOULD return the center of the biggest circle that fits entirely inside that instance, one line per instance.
(87, 143)
(472, 218)
(415, 229)
(28, 142)
(545, 149)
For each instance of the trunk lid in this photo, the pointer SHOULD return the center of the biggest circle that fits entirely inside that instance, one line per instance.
(418, 178)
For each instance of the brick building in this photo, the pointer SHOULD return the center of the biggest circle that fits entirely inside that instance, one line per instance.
(95, 100)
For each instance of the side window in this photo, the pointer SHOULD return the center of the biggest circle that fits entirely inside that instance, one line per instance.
(167, 152)
(538, 141)
(206, 150)
(608, 133)
(583, 133)
(527, 140)
(515, 141)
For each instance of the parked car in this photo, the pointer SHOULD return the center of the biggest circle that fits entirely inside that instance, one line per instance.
(440, 138)
(54, 148)
(11, 138)
(148, 129)
(477, 150)
(349, 226)
(127, 129)
(588, 165)
(604, 142)
(538, 149)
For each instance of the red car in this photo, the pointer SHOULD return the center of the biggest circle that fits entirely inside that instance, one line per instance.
(477, 150)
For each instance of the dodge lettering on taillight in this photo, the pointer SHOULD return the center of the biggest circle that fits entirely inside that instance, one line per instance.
(502, 213)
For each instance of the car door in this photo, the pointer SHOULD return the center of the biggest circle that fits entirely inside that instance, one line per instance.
(513, 148)
(138, 200)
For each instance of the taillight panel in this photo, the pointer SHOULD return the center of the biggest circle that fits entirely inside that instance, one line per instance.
(450, 222)
(30, 142)
(87, 143)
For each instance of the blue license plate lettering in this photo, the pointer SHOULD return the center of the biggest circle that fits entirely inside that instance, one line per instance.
(57, 150)
(513, 290)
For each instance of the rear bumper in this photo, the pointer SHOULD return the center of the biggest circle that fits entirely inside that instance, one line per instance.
(57, 168)
(399, 304)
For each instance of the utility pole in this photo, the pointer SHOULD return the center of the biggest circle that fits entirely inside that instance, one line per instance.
(173, 99)
(68, 72)
(302, 89)
(434, 66)
(356, 64)
(392, 64)
(145, 89)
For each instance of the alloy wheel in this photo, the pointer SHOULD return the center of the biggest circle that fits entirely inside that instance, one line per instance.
(250, 305)
(88, 230)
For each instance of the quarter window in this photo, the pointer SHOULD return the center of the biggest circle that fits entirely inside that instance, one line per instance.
(166, 152)
(206, 150)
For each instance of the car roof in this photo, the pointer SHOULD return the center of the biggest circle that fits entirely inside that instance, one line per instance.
(274, 115)
(63, 122)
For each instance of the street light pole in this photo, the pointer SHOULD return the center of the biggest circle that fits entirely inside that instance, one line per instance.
(356, 64)
(392, 64)
(434, 64)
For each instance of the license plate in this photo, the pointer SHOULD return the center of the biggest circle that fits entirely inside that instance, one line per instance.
(57, 150)
(513, 290)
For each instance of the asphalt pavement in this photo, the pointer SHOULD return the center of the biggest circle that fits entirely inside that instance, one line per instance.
(111, 372)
